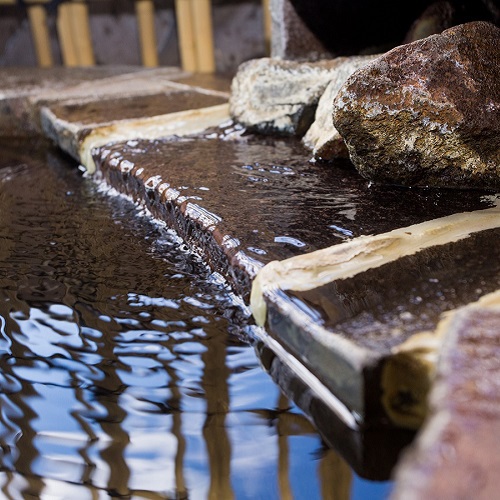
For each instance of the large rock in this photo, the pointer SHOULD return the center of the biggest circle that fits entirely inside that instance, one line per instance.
(275, 96)
(428, 113)
(322, 137)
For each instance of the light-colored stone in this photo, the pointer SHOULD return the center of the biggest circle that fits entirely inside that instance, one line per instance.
(428, 113)
(274, 96)
(322, 137)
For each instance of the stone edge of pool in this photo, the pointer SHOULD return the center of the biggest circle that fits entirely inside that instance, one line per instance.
(30, 110)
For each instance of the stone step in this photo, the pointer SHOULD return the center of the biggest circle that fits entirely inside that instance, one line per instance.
(72, 92)
(149, 104)
(25, 90)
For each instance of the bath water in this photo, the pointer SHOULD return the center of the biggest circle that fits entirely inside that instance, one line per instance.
(124, 366)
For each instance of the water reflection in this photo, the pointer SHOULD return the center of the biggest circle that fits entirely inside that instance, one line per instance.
(118, 374)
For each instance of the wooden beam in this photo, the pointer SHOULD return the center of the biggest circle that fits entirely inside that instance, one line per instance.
(80, 26)
(202, 23)
(266, 10)
(186, 35)
(65, 33)
(74, 34)
(41, 38)
(147, 35)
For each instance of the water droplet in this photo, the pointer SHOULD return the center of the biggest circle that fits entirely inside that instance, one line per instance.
(256, 250)
(341, 230)
(291, 241)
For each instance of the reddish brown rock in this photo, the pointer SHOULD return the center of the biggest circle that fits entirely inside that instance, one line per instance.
(428, 113)
(456, 455)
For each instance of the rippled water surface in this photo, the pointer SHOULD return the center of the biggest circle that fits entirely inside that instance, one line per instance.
(123, 369)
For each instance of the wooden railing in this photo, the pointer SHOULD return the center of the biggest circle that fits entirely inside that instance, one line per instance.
(194, 26)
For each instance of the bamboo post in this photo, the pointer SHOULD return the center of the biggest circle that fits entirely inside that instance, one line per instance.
(147, 36)
(65, 32)
(202, 23)
(81, 33)
(74, 34)
(266, 9)
(41, 39)
(186, 35)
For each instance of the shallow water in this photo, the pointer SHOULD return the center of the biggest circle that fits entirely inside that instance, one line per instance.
(123, 368)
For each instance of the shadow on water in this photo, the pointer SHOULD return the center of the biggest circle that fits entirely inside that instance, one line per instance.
(122, 372)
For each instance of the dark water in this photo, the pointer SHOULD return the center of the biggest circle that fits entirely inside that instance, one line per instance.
(123, 367)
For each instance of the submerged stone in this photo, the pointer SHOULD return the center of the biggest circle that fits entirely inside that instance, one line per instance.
(428, 113)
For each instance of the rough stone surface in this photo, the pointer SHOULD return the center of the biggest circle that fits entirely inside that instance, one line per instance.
(322, 137)
(21, 88)
(456, 455)
(428, 113)
(290, 37)
(274, 96)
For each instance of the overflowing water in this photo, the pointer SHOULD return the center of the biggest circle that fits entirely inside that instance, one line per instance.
(124, 369)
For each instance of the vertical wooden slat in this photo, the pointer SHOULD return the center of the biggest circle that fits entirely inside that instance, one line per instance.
(186, 34)
(266, 8)
(65, 33)
(202, 23)
(147, 35)
(81, 33)
(41, 39)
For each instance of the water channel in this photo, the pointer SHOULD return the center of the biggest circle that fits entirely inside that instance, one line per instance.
(124, 366)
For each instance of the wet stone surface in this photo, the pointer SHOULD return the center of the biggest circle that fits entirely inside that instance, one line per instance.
(264, 191)
(139, 106)
(456, 454)
(383, 307)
